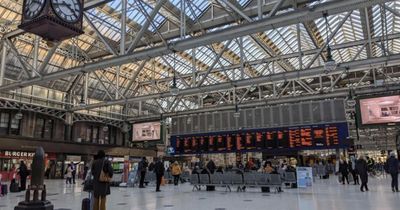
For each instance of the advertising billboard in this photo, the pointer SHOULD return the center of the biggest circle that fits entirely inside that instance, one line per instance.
(380, 110)
(146, 131)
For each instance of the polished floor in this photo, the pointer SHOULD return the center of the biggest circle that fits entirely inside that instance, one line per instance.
(324, 195)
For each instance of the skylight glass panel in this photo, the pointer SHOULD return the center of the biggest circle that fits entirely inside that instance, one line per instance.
(193, 8)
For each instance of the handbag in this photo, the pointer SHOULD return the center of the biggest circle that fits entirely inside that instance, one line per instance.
(104, 177)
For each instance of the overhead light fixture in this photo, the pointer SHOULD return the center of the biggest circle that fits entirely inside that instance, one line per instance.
(174, 90)
(236, 114)
(330, 64)
(19, 114)
(82, 102)
(351, 102)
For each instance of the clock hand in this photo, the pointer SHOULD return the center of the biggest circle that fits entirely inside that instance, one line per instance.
(68, 6)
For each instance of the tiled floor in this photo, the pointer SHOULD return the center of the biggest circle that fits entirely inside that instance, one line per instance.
(325, 195)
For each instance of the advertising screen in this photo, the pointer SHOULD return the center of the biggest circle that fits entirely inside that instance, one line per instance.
(322, 136)
(146, 131)
(380, 110)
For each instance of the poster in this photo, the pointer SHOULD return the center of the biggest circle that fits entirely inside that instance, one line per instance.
(304, 177)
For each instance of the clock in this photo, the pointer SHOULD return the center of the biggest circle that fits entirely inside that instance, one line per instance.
(33, 8)
(53, 20)
(67, 10)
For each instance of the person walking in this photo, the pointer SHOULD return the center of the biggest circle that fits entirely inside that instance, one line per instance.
(142, 169)
(101, 188)
(176, 172)
(159, 171)
(393, 168)
(344, 171)
(68, 174)
(23, 174)
(353, 171)
(73, 168)
(362, 170)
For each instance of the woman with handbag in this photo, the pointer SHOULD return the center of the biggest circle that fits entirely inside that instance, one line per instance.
(102, 172)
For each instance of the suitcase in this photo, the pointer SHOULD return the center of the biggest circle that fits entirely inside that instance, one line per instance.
(325, 176)
(265, 189)
(4, 189)
(86, 204)
(14, 187)
(210, 188)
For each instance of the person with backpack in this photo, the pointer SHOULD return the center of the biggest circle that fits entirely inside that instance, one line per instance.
(392, 166)
(142, 169)
(102, 172)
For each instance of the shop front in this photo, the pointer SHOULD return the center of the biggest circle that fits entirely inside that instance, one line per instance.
(10, 161)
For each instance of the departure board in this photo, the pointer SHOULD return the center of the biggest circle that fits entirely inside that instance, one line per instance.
(321, 136)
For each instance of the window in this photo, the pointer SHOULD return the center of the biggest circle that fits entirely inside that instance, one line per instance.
(48, 129)
(88, 135)
(39, 128)
(14, 129)
(95, 136)
(4, 119)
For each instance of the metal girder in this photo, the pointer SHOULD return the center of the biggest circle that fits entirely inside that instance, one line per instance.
(145, 26)
(101, 37)
(286, 19)
(289, 99)
(330, 37)
(46, 60)
(216, 59)
(270, 79)
(23, 63)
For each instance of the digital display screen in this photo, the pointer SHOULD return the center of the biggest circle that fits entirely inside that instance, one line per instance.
(380, 110)
(146, 131)
(323, 136)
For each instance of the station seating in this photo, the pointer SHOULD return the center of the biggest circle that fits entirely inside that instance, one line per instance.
(241, 181)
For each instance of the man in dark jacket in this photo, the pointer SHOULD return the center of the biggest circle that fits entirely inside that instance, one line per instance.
(393, 169)
(23, 174)
(101, 189)
(159, 171)
(344, 170)
(362, 170)
(142, 169)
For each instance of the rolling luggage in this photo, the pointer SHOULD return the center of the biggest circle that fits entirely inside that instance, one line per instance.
(14, 186)
(86, 204)
(4, 190)
(265, 189)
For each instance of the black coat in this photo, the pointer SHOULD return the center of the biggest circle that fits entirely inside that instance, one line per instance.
(23, 171)
(362, 169)
(101, 188)
(159, 168)
(211, 166)
(143, 164)
(344, 168)
(393, 165)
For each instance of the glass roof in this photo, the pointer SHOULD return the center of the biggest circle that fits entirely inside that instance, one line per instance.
(163, 30)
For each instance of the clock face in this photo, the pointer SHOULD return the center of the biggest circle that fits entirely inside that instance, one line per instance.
(33, 8)
(68, 10)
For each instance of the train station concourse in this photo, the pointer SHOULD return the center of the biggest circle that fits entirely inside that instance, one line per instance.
(199, 104)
